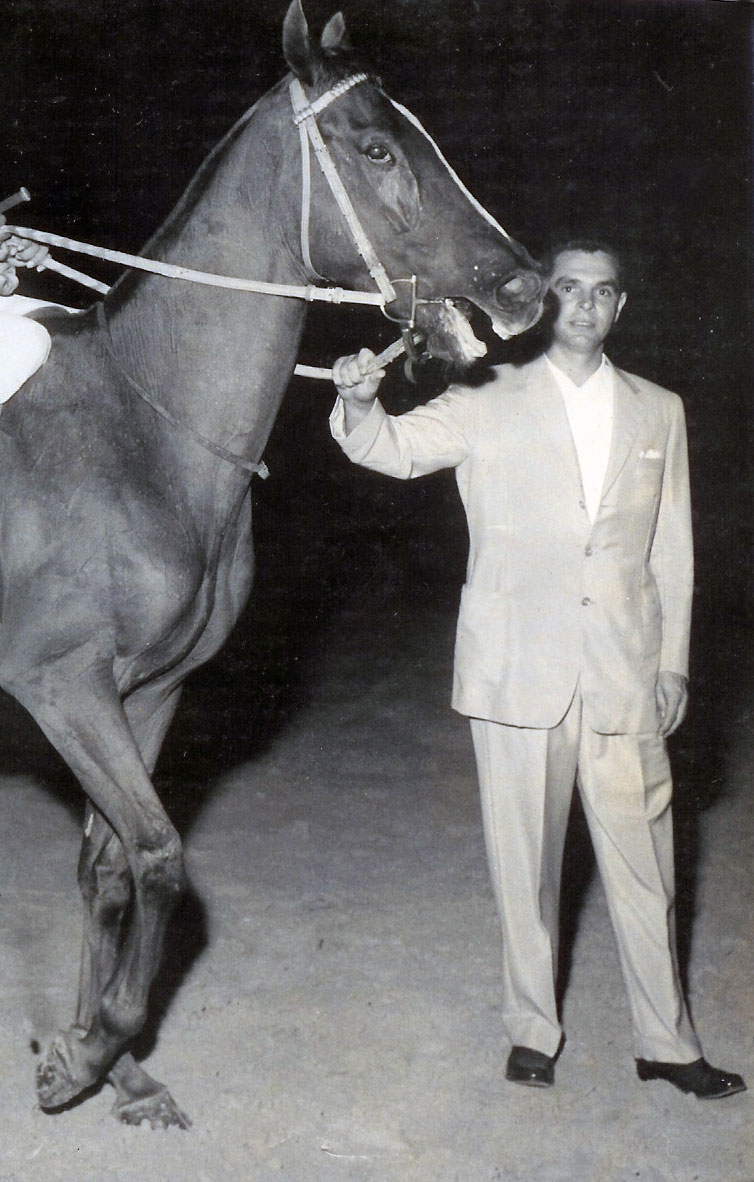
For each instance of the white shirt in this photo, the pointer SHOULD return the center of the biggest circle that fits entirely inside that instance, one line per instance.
(590, 413)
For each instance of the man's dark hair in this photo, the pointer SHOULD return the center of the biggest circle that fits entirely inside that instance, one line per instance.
(589, 246)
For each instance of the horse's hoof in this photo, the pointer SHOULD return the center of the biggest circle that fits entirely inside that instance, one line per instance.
(159, 1110)
(59, 1078)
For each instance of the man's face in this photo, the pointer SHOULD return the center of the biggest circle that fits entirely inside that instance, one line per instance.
(590, 300)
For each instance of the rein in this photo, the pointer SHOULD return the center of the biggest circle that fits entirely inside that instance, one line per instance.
(309, 293)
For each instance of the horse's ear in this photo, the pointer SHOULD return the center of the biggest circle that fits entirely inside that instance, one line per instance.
(335, 33)
(297, 46)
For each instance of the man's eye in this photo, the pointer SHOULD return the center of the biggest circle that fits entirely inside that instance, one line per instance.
(379, 154)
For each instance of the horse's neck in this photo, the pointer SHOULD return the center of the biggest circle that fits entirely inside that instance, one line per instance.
(220, 360)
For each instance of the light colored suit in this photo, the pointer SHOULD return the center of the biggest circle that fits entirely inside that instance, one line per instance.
(564, 625)
(549, 596)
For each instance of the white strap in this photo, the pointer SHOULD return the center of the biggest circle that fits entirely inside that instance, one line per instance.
(469, 196)
(306, 201)
(311, 110)
(362, 243)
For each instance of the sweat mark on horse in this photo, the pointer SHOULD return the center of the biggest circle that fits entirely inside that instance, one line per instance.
(126, 542)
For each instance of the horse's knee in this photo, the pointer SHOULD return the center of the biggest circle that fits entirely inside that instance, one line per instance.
(159, 872)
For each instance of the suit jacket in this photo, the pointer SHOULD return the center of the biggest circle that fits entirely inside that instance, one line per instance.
(551, 597)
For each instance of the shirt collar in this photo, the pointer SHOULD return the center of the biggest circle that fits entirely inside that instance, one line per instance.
(599, 382)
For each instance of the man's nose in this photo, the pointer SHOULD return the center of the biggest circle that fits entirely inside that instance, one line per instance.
(586, 301)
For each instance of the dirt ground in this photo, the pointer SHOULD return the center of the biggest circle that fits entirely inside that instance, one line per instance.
(330, 1007)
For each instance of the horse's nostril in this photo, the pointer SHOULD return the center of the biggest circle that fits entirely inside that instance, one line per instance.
(514, 285)
(512, 290)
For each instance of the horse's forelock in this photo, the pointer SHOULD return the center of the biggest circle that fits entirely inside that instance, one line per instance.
(335, 65)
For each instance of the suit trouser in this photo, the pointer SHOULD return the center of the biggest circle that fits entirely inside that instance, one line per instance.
(526, 779)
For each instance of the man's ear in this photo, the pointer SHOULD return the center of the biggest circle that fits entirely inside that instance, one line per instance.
(621, 305)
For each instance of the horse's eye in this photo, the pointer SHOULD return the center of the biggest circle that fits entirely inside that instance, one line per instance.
(379, 154)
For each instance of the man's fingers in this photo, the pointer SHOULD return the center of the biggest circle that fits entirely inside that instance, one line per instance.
(351, 371)
(32, 254)
(8, 283)
(672, 703)
(674, 719)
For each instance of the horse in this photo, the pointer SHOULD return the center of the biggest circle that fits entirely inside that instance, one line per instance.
(125, 517)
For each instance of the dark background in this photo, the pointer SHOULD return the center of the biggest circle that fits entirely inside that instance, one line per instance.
(625, 119)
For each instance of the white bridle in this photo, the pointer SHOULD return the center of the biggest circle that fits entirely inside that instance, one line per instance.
(305, 118)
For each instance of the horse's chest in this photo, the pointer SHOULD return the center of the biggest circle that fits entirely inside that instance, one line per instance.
(179, 600)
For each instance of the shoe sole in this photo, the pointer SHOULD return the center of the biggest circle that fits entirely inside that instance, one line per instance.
(721, 1095)
(530, 1083)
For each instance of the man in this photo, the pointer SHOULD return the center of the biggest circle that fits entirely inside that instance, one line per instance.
(572, 645)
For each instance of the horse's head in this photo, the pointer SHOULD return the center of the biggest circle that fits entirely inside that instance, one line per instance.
(416, 214)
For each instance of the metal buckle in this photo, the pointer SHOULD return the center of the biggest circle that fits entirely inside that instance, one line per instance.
(411, 322)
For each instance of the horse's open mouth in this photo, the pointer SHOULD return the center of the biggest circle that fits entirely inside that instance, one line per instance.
(447, 328)
(452, 328)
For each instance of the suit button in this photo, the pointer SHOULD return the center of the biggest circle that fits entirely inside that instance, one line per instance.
(589, 551)
(582, 504)
(586, 601)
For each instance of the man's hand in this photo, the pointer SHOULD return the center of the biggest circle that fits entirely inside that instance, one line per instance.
(357, 383)
(672, 695)
(20, 252)
(353, 378)
(17, 252)
(8, 277)
(26, 253)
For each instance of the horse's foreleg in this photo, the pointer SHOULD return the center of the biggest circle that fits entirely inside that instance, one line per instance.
(105, 882)
(85, 720)
(104, 876)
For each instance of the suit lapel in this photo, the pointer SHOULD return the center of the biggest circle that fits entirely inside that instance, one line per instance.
(628, 411)
(544, 402)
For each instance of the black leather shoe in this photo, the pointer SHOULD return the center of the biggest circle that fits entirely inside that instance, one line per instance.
(530, 1067)
(706, 1082)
